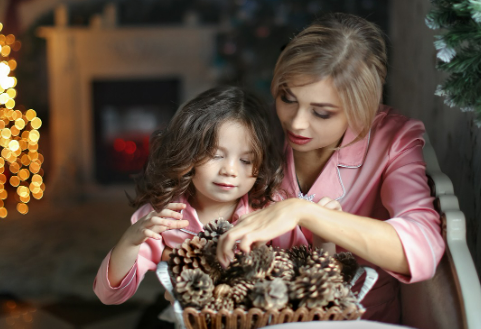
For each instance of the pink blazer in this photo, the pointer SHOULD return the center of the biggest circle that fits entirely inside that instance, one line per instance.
(151, 251)
(383, 176)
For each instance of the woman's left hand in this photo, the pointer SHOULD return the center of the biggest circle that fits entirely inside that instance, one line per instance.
(259, 227)
(330, 203)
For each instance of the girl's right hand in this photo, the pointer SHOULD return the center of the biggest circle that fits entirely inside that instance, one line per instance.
(154, 223)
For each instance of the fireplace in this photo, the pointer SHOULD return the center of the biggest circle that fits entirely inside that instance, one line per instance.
(125, 113)
(84, 65)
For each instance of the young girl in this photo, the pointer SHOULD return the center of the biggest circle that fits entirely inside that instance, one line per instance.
(217, 158)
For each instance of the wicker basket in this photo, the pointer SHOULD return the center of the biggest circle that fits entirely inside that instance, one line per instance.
(191, 318)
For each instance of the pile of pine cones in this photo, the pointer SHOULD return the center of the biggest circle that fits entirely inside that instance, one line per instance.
(267, 278)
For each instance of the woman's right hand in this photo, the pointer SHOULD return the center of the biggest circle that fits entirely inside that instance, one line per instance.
(259, 227)
(154, 223)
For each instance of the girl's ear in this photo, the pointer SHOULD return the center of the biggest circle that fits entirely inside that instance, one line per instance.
(188, 170)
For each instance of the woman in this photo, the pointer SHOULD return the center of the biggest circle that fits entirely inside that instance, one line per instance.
(343, 145)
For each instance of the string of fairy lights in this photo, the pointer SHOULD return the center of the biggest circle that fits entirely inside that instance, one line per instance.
(20, 161)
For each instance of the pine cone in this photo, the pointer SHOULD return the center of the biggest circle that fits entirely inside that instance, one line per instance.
(222, 299)
(348, 265)
(283, 266)
(344, 298)
(193, 288)
(315, 286)
(187, 256)
(209, 261)
(255, 265)
(240, 291)
(299, 255)
(214, 229)
(270, 295)
(318, 257)
(321, 259)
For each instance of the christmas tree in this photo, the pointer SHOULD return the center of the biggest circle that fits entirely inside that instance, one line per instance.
(459, 52)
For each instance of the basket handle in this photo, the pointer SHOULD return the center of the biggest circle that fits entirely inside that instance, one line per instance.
(369, 282)
(164, 278)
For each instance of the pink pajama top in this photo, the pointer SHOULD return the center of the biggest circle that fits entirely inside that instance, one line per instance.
(383, 176)
(150, 252)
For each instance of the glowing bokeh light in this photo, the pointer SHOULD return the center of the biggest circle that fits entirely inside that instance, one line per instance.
(10, 104)
(30, 114)
(6, 133)
(24, 174)
(20, 161)
(14, 168)
(12, 64)
(34, 136)
(22, 208)
(10, 39)
(14, 130)
(36, 123)
(14, 181)
(130, 147)
(4, 69)
(119, 144)
(5, 51)
(19, 123)
(13, 145)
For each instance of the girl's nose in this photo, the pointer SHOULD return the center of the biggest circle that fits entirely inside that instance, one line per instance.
(229, 168)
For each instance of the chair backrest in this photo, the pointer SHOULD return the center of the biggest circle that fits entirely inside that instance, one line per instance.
(452, 298)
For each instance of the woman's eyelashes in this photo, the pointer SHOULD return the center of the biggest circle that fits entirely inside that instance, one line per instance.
(322, 115)
(285, 99)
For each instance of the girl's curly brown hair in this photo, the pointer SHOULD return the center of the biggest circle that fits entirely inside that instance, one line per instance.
(191, 139)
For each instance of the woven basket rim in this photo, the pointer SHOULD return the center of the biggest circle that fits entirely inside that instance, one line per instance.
(256, 317)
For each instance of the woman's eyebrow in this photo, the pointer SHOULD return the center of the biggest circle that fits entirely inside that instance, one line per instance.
(313, 104)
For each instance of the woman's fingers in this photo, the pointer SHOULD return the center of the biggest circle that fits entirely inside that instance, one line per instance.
(260, 226)
(330, 203)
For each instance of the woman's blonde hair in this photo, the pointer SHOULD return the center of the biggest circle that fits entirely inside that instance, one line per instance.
(349, 50)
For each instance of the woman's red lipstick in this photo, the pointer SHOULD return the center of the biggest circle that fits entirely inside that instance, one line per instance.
(296, 139)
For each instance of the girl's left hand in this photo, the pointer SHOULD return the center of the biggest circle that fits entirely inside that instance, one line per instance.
(259, 227)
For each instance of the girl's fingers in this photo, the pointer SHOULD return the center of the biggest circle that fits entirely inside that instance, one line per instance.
(175, 206)
(163, 224)
(169, 213)
(151, 234)
(170, 207)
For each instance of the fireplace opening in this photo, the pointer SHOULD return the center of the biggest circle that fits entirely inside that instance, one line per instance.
(125, 113)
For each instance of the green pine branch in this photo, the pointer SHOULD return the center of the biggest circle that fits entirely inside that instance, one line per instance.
(459, 51)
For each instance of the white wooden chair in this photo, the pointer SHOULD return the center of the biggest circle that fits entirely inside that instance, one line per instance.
(452, 298)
